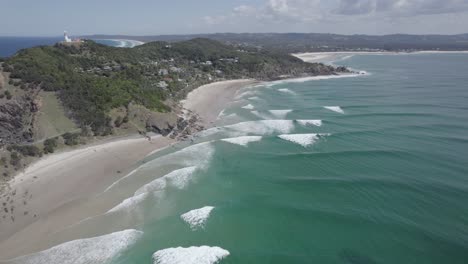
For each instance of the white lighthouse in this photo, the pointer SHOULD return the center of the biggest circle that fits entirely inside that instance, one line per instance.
(66, 38)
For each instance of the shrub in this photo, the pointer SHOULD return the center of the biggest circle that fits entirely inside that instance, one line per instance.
(28, 150)
(49, 145)
(71, 139)
(8, 95)
(15, 159)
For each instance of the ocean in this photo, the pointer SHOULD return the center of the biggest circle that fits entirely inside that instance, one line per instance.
(370, 169)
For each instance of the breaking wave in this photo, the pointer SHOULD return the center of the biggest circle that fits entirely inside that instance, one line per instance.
(248, 107)
(286, 90)
(197, 218)
(262, 127)
(129, 203)
(310, 122)
(304, 140)
(191, 255)
(102, 249)
(316, 78)
(334, 109)
(242, 141)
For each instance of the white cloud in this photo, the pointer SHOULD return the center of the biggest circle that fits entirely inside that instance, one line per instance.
(352, 16)
(400, 7)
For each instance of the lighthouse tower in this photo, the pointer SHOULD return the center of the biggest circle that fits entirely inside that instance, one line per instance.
(66, 38)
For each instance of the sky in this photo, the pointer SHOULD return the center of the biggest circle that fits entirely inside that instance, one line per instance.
(156, 17)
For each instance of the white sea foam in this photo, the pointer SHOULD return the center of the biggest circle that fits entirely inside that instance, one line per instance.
(313, 78)
(286, 90)
(248, 107)
(129, 203)
(304, 140)
(198, 154)
(191, 255)
(262, 127)
(245, 94)
(197, 218)
(242, 141)
(102, 249)
(254, 98)
(233, 115)
(180, 178)
(221, 114)
(156, 185)
(310, 122)
(334, 109)
(280, 113)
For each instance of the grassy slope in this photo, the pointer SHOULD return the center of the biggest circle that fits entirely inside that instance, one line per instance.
(51, 120)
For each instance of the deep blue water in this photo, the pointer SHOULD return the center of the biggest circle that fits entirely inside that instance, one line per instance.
(10, 45)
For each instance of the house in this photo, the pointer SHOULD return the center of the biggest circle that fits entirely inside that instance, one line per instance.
(163, 72)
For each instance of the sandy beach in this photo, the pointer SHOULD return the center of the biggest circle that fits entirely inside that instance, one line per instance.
(52, 193)
(330, 56)
(209, 100)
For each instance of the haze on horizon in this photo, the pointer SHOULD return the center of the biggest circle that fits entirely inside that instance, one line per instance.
(153, 17)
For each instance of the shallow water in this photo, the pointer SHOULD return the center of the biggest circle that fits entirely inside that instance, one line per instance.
(383, 178)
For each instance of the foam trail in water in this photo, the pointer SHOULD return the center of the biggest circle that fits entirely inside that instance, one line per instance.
(310, 122)
(286, 90)
(245, 94)
(254, 98)
(178, 179)
(242, 141)
(258, 114)
(197, 218)
(262, 127)
(334, 109)
(304, 140)
(191, 255)
(221, 114)
(248, 107)
(280, 113)
(100, 249)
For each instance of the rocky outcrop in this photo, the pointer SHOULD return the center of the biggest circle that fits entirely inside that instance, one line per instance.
(162, 123)
(13, 128)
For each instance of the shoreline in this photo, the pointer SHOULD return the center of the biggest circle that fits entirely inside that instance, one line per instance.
(328, 55)
(50, 194)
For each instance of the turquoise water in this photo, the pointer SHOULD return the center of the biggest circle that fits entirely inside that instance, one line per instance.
(389, 185)
(383, 181)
